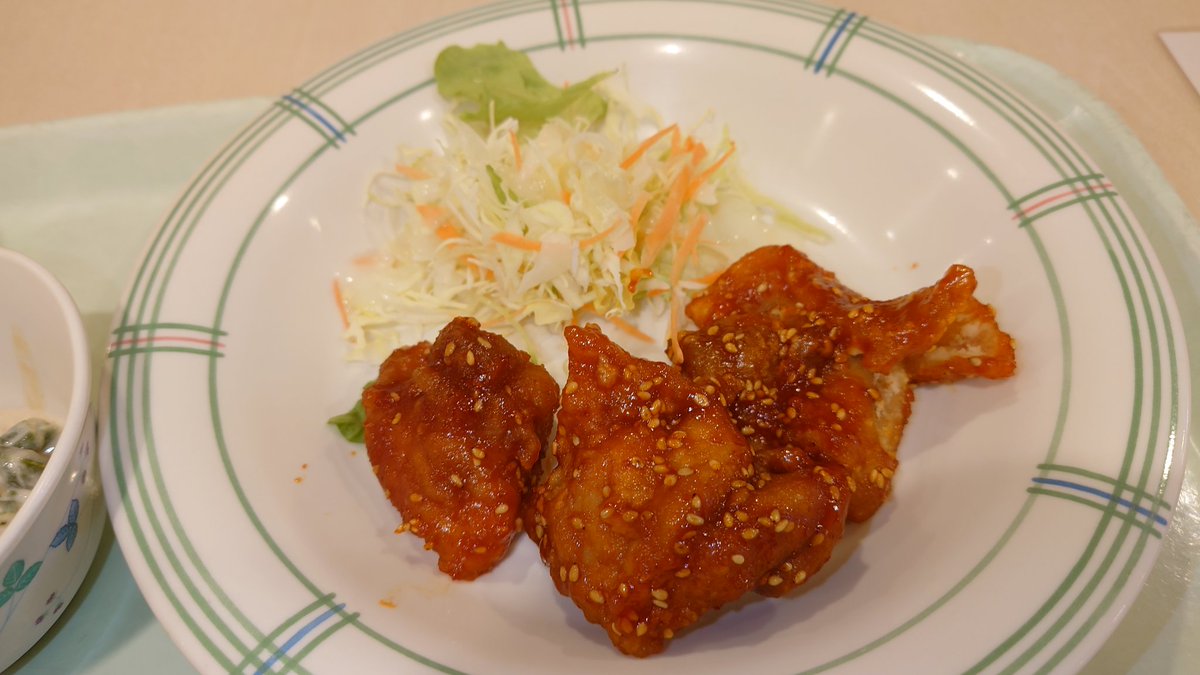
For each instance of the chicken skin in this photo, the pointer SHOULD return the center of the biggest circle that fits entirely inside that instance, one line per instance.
(453, 430)
(655, 512)
(813, 371)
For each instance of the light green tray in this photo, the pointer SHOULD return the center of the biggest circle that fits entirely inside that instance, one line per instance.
(83, 197)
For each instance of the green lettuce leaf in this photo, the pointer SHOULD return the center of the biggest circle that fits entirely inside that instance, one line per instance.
(350, 423)
(495, 78)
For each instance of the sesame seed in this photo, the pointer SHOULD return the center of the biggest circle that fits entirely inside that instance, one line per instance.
(483, 342)
(714, 464)
(668, 634)
(694, 519)
(669, 480)
(783, 525)
(596, 597)
(477, 453)
(738, 559)
(731, 348)
(577, 523)
(629, 516)
(448, 351)
(660, 604)
(659, 593)
(800, 577)
(812, 394)
(572, 385)
(503, 508)
(562, 573)
(775, 515)
(454, 478)
(695, 502)
(606, 512)
(749, 533)
(414, 498)
(976, 361)
(641, 629)
(818, 539)
(478, 549)
(396, 419)
(775, 580)
(728, 337)
(685, 471)
(573, 574)
(868, 308)
(683, 573)
(478, 405)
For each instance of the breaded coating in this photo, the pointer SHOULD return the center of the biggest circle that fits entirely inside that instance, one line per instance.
(940, 333)
(453, 430)
(655, 513)
(810, 368)
(796, 403)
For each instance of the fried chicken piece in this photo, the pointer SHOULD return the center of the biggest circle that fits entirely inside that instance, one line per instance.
(940, 333)
(453, 430)
(797, 403)
(655, 514)
(809, 367)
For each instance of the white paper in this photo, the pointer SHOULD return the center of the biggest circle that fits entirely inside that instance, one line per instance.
(1185, 47)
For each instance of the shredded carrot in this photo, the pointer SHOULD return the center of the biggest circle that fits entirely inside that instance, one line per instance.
(566, 196)
(655, 292)
(368, 260)
(596, 238)
(675, 142)
(580, 311)
(341, 304)
(626, 327)
(707, 173)
(516, 241)
(512, 138)
(699, 152)
(411, 173)
(447, 231)
(658, 236)
(431, 214)
(635, 212)
(646, 145)
(690, 240)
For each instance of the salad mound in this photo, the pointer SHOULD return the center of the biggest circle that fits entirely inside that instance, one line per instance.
(541, 204)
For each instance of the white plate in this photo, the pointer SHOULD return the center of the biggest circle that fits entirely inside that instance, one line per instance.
(1026, 513)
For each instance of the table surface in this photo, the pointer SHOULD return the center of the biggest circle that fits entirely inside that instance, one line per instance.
(80, 59)
(68, 60)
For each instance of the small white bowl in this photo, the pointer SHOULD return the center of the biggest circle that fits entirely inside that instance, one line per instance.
(47, 548)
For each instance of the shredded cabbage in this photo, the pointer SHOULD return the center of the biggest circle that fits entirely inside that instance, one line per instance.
(535, 230)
